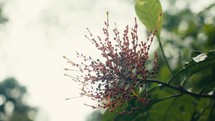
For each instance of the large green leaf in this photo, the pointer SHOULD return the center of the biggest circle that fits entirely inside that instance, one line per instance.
(150, 14)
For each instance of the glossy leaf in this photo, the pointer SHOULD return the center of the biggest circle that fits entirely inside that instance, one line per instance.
(149, 13)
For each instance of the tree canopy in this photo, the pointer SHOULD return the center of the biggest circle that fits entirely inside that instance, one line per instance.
(13, 105)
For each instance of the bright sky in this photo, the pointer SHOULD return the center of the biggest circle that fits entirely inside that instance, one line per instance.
(39, 33)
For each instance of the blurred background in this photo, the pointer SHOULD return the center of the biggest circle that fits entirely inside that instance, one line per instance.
(35, 34)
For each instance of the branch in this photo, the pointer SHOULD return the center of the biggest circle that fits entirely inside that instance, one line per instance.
(181, 89)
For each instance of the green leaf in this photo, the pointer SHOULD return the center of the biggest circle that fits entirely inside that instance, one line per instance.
(199, 62)
(149, 13)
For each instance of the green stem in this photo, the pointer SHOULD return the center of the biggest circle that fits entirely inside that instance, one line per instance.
(162, 51)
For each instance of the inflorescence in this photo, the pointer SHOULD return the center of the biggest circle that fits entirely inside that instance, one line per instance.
(123, 74)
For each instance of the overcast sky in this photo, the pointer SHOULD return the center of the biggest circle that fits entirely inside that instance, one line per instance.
(39, 33)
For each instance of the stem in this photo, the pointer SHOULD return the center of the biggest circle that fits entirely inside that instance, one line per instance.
(181, 90)
(162, 51)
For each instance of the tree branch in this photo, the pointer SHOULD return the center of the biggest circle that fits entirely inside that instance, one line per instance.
(181, 89)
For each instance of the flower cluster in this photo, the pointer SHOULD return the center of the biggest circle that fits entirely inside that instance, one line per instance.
(123, 74)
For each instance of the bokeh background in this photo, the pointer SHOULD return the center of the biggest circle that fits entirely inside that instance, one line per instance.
(35, 34)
